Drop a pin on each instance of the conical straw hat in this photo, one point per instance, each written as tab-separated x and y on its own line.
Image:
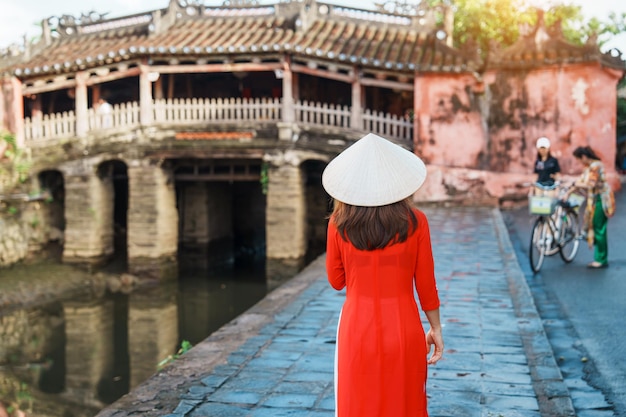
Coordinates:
373	172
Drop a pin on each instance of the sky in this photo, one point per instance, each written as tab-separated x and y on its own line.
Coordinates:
21	17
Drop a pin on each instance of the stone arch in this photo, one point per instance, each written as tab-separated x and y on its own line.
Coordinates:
52	186
221	206
318	207
113	174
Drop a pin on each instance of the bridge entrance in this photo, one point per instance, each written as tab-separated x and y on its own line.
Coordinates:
115	173
221	209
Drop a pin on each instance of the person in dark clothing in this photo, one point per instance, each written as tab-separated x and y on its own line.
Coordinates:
546	166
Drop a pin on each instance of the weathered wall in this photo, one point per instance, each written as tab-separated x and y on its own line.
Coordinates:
567	104
449	121
478	141
14	238
24	230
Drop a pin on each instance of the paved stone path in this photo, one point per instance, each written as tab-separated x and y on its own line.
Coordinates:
277	359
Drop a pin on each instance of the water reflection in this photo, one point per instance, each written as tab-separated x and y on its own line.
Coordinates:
90	351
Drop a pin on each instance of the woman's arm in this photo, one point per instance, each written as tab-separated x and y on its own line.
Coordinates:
334	265
434	336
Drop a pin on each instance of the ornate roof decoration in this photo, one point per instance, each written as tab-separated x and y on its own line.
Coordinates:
188	30
547	46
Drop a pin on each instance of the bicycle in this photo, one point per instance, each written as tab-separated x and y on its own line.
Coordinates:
557	229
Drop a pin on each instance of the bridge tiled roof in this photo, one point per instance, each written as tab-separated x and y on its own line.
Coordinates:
311	31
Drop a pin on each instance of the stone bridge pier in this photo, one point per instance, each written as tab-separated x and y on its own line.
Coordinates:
89	200
286	221
140	209
152	220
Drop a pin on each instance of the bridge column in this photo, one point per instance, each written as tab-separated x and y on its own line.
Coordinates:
89	199
152	221
145	96
287	128
82	125
288	104
356	116
285	218
12	108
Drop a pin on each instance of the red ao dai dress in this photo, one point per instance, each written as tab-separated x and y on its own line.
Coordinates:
381	353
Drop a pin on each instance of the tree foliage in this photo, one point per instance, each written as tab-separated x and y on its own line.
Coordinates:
14	164
485	23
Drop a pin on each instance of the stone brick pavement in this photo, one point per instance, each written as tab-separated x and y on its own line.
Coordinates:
277	359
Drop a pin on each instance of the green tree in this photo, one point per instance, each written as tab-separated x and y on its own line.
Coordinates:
485	22
14	164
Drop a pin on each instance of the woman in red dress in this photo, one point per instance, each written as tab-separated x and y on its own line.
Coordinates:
378	247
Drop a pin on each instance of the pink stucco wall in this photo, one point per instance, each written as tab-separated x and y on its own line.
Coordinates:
479	143
573	106
449	125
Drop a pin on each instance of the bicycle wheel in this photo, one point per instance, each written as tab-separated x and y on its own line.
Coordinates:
570	232
540	238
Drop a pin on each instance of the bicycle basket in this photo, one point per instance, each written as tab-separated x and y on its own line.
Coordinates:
541	205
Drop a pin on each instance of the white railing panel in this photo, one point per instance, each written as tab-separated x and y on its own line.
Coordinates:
316	114
183	112
216	110
123	115
50	126
387	125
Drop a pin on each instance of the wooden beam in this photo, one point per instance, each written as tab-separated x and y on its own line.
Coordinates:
393	85
112	76
211	68
92	80
217	177
303	69
46	88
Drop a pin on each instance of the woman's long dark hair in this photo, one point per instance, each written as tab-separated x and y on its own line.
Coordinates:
586	151
370	228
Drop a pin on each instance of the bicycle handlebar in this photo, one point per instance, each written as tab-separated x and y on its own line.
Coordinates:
556	185
547	187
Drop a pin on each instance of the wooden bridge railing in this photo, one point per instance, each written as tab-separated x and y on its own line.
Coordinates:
48	129
228	110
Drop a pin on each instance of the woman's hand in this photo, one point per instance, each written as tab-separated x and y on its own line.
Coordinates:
434	337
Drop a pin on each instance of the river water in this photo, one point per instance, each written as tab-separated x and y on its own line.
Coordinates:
77	356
